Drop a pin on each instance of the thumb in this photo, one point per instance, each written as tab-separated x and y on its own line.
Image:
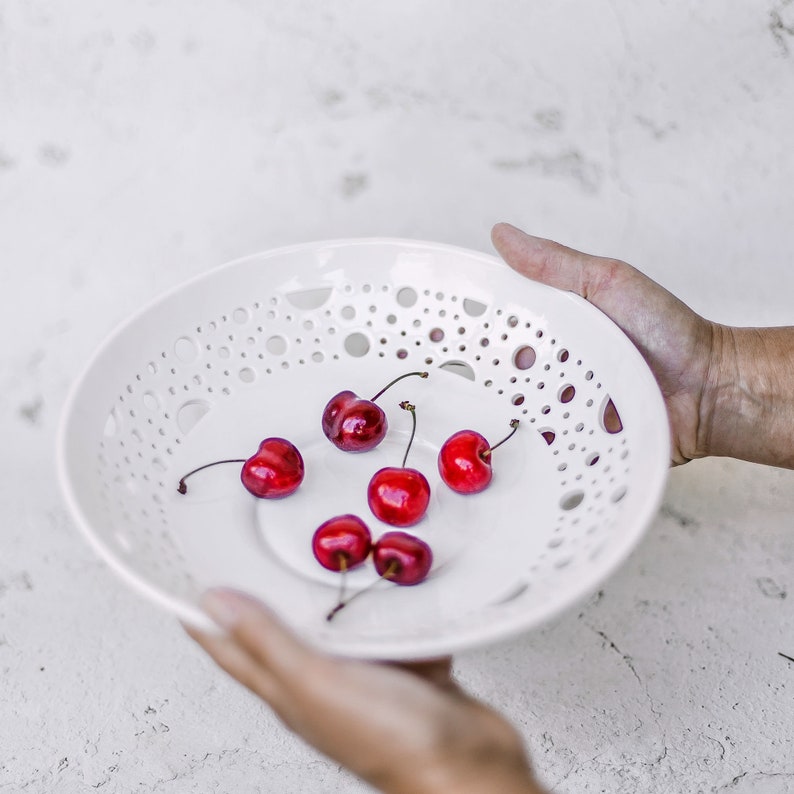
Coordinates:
549	262
255	629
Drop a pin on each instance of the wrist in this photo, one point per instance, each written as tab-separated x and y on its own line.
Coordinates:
747	408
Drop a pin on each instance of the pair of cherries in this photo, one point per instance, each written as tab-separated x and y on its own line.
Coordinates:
344	542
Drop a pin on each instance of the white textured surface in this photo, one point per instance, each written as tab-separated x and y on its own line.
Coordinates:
143	143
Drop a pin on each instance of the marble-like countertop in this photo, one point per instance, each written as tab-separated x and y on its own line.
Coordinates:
141	144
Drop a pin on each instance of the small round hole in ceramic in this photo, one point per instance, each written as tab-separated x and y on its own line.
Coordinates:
256	348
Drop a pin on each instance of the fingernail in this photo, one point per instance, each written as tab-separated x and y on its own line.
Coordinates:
224	606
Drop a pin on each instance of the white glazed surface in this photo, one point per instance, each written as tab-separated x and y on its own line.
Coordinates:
256	348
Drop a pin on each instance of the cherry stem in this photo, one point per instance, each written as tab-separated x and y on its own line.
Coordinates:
182	487
343	578
391	569
389	385
514	425
406	406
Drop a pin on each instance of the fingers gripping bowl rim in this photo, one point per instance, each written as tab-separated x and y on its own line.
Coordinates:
255	348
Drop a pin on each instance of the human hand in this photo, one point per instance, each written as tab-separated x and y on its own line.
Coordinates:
679	345
406	729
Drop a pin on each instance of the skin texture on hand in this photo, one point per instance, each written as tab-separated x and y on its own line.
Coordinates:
675	341
406	729
728	391
752	396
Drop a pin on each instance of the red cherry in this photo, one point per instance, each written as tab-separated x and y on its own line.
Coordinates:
275	470
461	463
339	544
353	424
342	542
402	558
399	496
464	460
356	425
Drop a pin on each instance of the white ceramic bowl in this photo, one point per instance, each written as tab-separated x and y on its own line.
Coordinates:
257	347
